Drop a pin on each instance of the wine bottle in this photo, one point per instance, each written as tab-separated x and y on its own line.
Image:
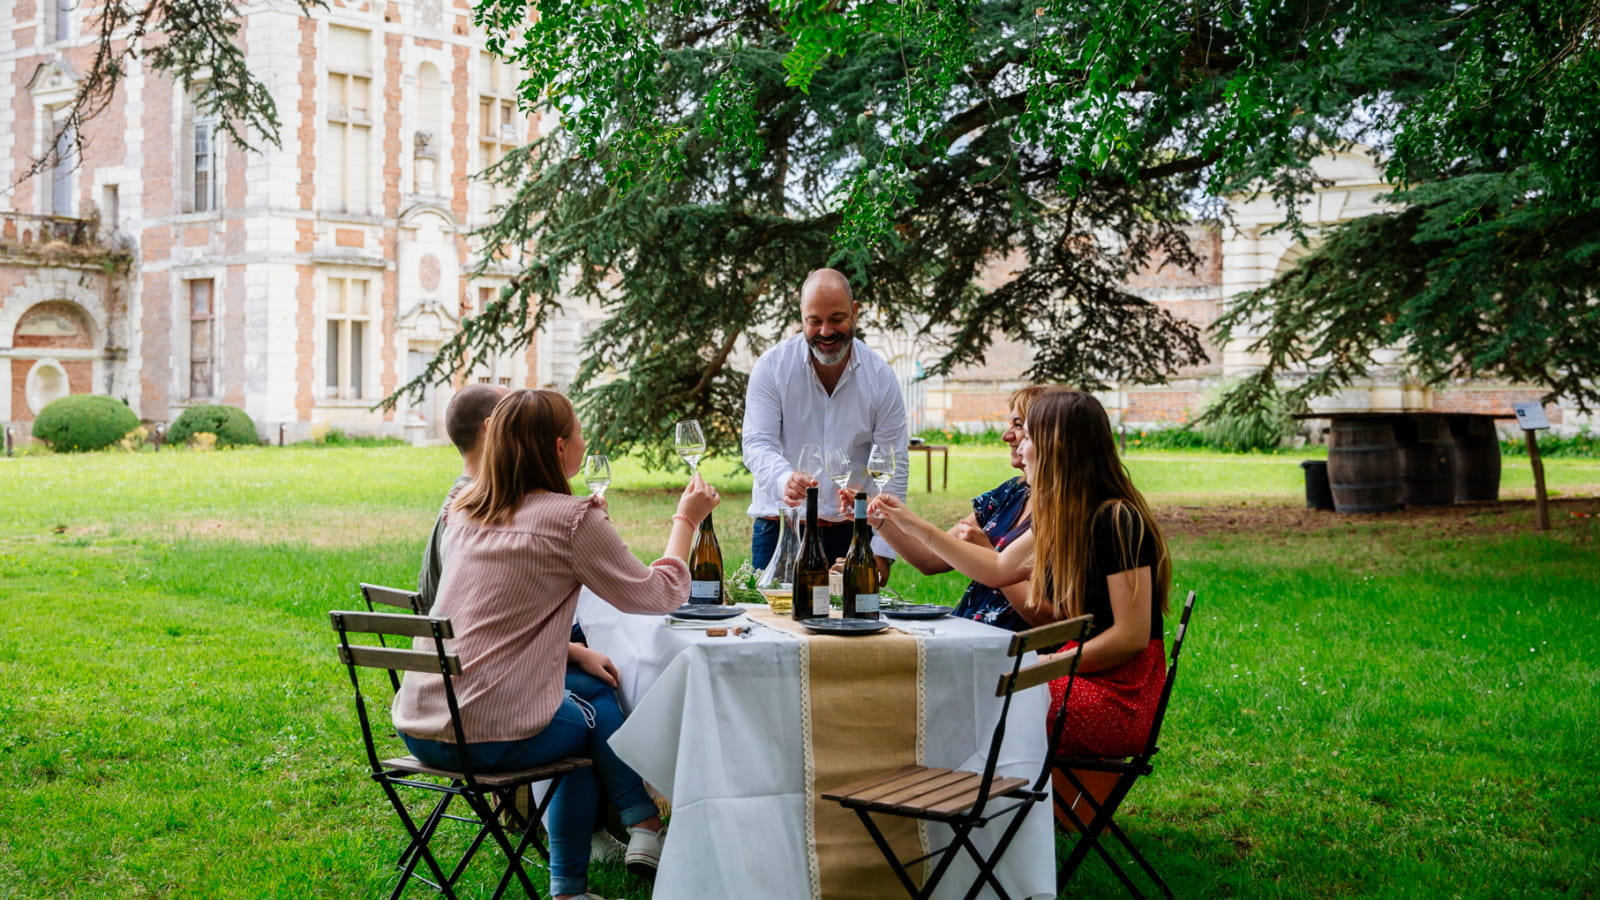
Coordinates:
811	571
861	568
705	565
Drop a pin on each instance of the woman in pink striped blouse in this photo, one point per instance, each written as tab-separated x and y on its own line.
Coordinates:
518	548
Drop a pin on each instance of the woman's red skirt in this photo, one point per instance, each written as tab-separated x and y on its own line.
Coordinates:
1110	712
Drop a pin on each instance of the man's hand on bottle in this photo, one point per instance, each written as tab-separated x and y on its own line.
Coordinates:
794	489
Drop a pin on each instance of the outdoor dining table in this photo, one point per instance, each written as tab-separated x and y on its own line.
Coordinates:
719	725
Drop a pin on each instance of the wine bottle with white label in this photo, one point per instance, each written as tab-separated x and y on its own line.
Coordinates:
705	565
811	570
861	568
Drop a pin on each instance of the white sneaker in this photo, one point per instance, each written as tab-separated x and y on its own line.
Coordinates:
603	848
644	851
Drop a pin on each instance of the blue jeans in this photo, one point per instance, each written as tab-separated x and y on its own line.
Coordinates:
764	541
570	819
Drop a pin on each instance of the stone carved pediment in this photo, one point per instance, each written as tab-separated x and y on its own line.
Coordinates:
414	216
54	82
428	320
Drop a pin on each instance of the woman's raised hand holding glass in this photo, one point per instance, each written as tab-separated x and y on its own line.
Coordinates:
597	474
698	500
691	443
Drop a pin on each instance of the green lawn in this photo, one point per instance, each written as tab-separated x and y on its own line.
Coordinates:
1389	706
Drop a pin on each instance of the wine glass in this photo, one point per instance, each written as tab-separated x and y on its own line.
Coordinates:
691	441
597	474
840	469
880	465
810	462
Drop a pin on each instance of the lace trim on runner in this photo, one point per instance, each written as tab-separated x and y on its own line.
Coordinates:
812	862
921	758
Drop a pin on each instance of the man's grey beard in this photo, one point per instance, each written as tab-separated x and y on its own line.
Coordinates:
832	359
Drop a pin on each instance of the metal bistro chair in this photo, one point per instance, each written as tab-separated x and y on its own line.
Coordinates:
1122	775
487	794
961	799
377	596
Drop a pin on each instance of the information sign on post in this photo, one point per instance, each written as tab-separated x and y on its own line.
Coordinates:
1531	418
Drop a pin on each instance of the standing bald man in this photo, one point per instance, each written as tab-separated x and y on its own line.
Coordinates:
824	387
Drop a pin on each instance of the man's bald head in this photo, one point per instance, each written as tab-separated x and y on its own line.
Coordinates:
831	280
468	409
828	315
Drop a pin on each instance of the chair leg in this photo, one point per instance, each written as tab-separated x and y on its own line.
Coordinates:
529	834
419	840
431	823
1090	832
536	816
491	824
1149	870
987	866
894	861
985	872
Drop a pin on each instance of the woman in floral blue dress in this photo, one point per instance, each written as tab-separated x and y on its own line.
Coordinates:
999	516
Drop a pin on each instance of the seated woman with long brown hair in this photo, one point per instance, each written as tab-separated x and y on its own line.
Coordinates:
999	516
1094	548
518	548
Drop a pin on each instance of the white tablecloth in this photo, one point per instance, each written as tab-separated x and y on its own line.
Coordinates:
714	725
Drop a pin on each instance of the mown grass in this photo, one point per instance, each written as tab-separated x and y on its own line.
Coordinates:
1390	707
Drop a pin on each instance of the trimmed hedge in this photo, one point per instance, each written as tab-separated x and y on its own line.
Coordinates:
81	422
232	426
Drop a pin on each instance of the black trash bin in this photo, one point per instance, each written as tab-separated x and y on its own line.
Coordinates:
1319	495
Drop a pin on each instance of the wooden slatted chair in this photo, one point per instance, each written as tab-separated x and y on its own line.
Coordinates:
960	799
487	794
1089	791
378	596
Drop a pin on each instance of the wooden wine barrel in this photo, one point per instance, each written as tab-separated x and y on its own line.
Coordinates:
1475	459
1363	465
1426	468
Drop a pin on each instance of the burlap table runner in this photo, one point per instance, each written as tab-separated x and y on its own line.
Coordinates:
861	699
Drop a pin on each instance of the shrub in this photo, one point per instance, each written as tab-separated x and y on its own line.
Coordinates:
84	422
334	436
956	437
1583	445
135	440
1264	426
230	424
1180	437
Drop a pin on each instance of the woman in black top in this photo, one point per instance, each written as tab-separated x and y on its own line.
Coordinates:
1095	548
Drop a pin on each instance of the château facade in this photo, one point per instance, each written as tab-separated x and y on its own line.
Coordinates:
303	283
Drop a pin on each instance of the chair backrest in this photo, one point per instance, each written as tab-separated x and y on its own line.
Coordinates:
436	661
1172	676
377	595
1020	678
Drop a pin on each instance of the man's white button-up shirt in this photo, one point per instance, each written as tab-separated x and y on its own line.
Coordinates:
786	407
